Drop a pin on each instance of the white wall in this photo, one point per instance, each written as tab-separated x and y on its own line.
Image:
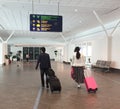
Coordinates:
99	50
99	47
115	56
50	51
65	53
68	52
71	51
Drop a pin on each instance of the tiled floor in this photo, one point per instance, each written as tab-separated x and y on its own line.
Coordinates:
20	86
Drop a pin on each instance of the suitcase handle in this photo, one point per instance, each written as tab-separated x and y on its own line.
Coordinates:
87	73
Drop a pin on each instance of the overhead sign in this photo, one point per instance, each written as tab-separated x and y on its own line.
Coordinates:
45	23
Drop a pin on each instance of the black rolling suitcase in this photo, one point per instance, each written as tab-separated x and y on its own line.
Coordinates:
55	84
50	72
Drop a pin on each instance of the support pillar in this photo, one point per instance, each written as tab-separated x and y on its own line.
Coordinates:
4	52
108	37
109	48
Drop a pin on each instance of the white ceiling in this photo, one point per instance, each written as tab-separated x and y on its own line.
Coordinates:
14	18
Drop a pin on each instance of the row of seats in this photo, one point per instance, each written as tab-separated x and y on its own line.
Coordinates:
102	64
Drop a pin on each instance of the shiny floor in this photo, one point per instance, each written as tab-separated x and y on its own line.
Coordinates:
20	88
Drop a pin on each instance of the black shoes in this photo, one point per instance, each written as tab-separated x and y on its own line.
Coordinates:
43	86
47	86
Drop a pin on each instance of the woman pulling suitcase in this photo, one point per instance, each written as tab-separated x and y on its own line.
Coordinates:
78	64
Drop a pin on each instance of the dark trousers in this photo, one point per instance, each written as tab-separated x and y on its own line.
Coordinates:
44	72
27	59
79	74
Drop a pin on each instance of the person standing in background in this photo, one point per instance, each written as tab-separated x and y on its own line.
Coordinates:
78	64
27	57
18	55
44	64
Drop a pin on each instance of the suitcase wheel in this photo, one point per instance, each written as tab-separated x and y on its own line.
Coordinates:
89	90
92	90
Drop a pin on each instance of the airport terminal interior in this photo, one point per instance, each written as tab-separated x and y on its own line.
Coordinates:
59	26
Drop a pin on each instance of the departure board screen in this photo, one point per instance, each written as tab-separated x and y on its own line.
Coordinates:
45	23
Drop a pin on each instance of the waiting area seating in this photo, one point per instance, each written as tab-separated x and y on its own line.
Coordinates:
102	64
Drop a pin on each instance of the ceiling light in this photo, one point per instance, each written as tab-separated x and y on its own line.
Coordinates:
80	21
76	10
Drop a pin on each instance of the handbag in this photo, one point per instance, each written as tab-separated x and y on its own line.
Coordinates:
73	73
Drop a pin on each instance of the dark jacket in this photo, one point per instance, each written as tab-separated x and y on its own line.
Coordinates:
43	61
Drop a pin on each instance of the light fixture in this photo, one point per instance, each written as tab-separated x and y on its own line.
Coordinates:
76	10
80	21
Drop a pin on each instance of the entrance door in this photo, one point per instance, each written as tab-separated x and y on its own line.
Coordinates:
25	51
31	53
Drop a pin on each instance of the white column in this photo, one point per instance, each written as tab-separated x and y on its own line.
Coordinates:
63	37
66	53
4	48
109	48
100	21
4	51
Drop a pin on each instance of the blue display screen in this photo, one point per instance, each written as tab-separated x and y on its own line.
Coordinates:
45	23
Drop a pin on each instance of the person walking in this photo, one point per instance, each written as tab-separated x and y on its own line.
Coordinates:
44	64
18	56
78	64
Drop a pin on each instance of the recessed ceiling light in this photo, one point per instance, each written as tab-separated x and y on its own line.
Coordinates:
80	21
76	10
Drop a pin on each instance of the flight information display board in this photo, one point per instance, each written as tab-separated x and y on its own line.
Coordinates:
45	23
